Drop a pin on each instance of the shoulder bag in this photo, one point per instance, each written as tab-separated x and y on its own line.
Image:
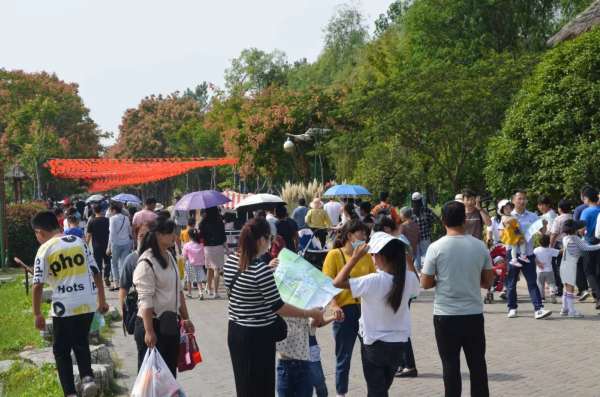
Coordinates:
168	320
356	299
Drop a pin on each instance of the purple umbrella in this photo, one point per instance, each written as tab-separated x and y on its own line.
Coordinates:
200	200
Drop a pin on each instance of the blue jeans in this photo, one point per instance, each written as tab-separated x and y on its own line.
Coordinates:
530	275
421	251
118	252
345	334
293	378
317	378
380	362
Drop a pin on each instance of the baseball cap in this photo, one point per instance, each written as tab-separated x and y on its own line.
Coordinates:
458	197
381	239
417	196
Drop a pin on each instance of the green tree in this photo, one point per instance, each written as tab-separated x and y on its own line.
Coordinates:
549	143
42	117
254	70
199	95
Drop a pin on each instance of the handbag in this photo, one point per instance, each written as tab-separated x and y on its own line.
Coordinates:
130	307
189	353
279	326
168	320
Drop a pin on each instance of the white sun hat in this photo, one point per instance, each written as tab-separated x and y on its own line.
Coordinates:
381	239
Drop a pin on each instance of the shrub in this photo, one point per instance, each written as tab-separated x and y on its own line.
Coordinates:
21	239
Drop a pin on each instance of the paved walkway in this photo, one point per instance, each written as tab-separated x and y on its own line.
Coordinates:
525	357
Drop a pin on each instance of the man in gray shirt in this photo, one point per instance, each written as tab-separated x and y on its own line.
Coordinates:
457	265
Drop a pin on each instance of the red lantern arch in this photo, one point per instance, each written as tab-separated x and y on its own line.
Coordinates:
107	174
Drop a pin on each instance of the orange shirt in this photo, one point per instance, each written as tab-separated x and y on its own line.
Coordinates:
389	208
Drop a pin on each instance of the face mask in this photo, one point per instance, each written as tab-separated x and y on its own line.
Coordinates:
356	243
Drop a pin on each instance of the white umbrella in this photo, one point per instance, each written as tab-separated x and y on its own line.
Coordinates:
260	202
95	197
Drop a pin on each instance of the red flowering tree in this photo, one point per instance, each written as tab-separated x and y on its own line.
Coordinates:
42	117
254	126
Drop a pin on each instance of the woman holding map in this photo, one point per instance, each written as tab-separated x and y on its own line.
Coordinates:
345	307
254	306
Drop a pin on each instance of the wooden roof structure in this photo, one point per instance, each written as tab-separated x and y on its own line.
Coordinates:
579	25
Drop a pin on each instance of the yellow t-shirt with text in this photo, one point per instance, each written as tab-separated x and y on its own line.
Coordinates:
333	265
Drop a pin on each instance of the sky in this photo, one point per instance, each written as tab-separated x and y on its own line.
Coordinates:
121	51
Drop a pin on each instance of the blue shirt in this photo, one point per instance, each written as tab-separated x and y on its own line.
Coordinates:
74	231
578	211
590	216
525	220
299	215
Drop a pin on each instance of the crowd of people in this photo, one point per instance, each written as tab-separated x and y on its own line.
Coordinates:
380	257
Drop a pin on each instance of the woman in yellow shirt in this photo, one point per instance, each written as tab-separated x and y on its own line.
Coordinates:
318	220
344	306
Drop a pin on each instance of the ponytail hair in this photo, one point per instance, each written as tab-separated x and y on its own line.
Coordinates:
351	226
161	225
349	208
194	235
394	253
248	242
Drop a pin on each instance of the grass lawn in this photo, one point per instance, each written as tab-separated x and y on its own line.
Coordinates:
18	331
16	317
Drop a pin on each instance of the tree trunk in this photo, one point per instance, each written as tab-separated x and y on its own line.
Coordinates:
38	179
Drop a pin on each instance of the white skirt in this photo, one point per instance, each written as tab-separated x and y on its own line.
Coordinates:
568	272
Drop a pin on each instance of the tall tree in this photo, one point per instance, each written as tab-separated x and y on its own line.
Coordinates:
254	70
42	117
549	142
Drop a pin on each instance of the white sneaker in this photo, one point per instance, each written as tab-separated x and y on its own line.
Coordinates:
575	314
512	313
553	297
564	312
503	295
584	296
542	313
516	263
524	259
543	300
90	389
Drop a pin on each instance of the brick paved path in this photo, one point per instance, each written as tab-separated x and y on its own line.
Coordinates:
525	357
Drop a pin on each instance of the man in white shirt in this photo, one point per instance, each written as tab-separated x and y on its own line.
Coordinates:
333	210
457	265
272	221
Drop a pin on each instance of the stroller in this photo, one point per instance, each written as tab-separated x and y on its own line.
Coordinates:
498	254
311	250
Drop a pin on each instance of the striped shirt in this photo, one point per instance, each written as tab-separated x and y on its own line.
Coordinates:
254	298
576	246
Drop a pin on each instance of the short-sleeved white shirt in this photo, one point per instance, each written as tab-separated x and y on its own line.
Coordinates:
544	256
457	263
378	320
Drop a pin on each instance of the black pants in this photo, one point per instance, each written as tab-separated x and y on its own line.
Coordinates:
71	333
100	256
407	360
556	270
454	333
321	234
591	263
252	351
168	346
581	276
380	362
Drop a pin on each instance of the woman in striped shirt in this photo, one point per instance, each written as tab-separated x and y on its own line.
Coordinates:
254	302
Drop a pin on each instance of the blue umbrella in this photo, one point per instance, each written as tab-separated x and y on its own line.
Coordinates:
126	198
200	200
346	190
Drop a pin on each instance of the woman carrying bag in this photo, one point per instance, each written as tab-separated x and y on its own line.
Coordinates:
160	295
254	306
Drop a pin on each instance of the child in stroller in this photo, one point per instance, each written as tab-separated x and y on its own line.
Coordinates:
498	254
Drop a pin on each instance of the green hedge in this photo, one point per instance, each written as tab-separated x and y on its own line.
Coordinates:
22	242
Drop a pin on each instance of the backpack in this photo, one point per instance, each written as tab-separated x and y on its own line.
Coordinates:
385	210
130	307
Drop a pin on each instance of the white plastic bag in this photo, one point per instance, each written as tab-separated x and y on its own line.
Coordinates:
155	378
